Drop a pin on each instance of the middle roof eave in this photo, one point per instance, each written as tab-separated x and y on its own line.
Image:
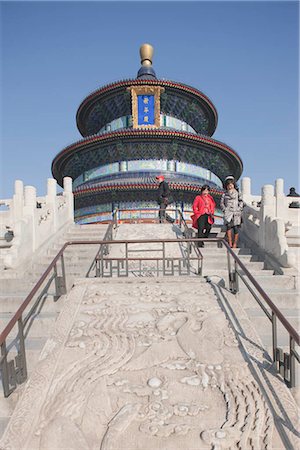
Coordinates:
146	144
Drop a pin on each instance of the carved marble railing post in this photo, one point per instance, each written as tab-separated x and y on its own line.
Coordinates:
267	212
51	201
246	190
51	190
280	198
68	194
30	198
18	202
29	212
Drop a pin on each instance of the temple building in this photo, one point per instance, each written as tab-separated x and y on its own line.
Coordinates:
134	130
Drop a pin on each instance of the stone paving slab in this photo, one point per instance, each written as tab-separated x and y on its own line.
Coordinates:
146	365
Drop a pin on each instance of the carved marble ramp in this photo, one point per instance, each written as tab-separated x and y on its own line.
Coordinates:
141	364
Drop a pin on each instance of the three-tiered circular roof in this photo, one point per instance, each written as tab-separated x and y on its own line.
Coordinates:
185	120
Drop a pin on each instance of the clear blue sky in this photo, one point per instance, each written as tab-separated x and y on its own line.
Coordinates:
242	55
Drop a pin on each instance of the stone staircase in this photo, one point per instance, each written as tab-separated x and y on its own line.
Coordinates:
16	285
282	289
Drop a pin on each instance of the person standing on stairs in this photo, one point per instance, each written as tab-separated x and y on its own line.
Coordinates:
204	209
232	206
164	199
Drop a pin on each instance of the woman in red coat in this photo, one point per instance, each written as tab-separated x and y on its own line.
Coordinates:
204	209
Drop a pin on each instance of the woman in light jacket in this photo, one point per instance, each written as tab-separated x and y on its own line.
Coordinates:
232	206
204	209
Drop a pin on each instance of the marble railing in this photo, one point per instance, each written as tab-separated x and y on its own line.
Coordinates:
268	218
33	220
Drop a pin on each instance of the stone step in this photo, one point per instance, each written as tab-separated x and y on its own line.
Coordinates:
39	325
82	235
11	303
70	264
214	249
70	274
263	277
262	323
10	274
73	248
223	272
281	298
221	263
69	257
282	341
4	250
14	286
289	313
294	231
271	281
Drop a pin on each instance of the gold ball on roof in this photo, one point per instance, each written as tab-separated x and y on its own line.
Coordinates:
146	52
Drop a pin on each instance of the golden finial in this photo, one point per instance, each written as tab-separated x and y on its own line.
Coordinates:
146	52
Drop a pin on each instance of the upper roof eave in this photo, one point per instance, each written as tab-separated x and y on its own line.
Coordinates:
117	86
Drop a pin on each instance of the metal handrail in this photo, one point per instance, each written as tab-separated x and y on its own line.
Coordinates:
19	312
265	296
289	360
273	307
104	248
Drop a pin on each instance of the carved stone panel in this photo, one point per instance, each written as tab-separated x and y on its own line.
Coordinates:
142	365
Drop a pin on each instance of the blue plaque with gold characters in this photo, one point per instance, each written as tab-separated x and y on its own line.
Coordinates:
146	110
145	106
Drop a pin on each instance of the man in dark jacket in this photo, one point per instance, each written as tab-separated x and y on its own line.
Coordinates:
164	199
293	193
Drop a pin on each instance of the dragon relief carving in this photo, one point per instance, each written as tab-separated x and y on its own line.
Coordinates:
142	371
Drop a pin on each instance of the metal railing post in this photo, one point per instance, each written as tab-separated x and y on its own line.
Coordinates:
97	268
274	336
56	296
236	279
229	269
126	256
232	275
101	262
63	285
7	379
286	368
21	364
200	264
188	262
164	258
60	281
292	382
